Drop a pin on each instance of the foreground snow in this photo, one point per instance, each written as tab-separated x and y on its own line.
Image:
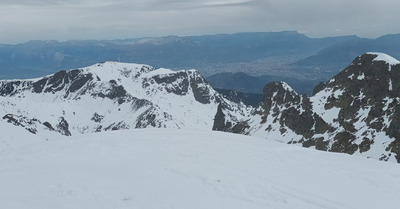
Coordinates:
166	168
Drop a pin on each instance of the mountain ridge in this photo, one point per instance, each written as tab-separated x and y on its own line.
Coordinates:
355	112
209	54
151	97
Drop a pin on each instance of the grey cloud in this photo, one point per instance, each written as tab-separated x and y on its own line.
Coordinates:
28	3
22	20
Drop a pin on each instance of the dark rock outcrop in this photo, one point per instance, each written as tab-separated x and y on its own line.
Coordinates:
114	92
291	111
63	127
33	125
71	80
177	83
19	120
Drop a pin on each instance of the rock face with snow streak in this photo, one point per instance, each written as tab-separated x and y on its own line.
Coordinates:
112	96
356	112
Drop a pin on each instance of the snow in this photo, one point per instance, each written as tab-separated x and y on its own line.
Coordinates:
12	136
384	57
320	99
390	85
287	87
338	93
170	168
351	77
160	71
361	77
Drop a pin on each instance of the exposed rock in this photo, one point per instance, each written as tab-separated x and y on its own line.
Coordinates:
177	83
201	92
114	92
10	88
97	118
394	147
319	88
220	123
34	125
63	127
18	120
49	126
68	81
116	126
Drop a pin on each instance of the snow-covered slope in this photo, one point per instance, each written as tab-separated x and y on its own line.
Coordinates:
356	112
112	96
172	168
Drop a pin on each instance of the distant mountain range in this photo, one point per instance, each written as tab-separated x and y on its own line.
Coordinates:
281	56
208	54
355	112
246	83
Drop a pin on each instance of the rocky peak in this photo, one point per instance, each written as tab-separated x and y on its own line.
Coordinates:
369	77
355	112
278	93
285	111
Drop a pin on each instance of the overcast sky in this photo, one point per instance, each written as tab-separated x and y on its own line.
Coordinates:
23	20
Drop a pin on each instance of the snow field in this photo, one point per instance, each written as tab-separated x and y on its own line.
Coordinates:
172	168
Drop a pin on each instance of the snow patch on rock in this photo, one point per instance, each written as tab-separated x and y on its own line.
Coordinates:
384	57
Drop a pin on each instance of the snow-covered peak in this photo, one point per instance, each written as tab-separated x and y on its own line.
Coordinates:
126	72
115	69
112	96
384	57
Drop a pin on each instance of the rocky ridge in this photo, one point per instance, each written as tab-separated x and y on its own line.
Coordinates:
355	112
